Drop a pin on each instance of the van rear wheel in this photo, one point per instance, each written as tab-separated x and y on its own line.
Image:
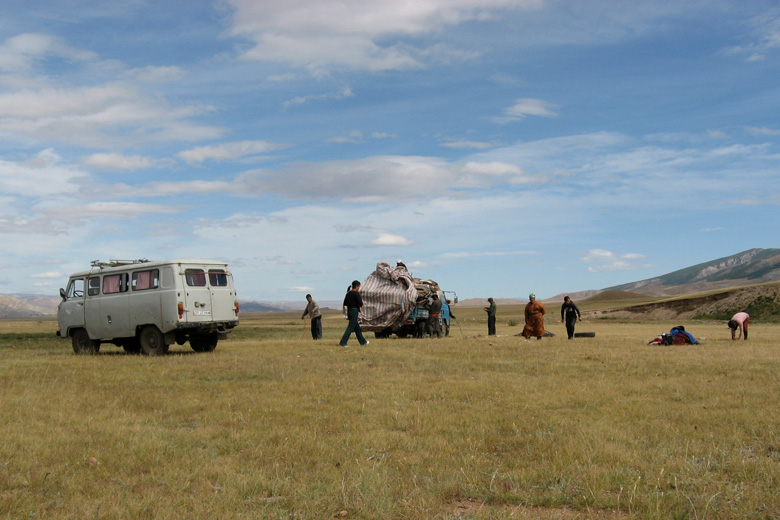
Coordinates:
131	345
152	341
204	342
82	344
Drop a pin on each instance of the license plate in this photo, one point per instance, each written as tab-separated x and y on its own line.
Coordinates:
202	313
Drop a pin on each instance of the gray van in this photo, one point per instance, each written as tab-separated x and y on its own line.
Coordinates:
145	306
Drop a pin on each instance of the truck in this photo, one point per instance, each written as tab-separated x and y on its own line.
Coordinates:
396	303
145	306
416	322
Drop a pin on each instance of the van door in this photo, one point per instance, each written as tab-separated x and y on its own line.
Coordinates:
209	294
197	296
70	312
223	294
114	315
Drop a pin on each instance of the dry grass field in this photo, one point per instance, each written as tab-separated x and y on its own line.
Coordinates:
273	425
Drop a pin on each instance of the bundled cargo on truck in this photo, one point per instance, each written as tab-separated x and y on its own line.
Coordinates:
394	302
389	295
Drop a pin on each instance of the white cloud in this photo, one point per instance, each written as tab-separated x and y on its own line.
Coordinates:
99	116
229	151
48	274
115	161
761	130
300	100
40	176
528	107
388	239
608	261
359	34
477	254
110	210
157	74
464	144
22	52
354	137
381	178
765	37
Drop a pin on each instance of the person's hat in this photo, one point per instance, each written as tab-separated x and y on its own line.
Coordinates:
532	295
490	299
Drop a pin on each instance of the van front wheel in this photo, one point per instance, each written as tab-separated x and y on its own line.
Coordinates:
152	341
82	344
204	342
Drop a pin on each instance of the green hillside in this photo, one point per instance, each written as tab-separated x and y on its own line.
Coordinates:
753	264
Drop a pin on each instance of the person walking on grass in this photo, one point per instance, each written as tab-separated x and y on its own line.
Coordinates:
534	318
313	310
353	302
491	316
739	322
570	313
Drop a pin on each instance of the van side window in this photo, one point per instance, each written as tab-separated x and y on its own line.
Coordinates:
114	283
195	277
218	278
76	289
94	286
143	280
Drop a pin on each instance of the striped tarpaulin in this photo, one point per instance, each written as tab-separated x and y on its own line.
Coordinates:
388	296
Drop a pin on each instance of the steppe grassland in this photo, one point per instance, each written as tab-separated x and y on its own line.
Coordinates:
274	425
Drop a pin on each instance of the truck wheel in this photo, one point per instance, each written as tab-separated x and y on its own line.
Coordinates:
421	326
152	341
204	342
131	345
82	344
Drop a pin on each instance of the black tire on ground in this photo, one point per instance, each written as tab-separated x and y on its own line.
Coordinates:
82	344
131	345
152	341
204	342
584	334
401	333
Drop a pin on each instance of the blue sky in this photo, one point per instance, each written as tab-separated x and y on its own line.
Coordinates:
500	147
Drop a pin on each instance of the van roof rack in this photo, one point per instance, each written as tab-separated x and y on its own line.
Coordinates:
117	263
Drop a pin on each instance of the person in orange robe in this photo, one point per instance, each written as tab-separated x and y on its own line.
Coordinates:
534	318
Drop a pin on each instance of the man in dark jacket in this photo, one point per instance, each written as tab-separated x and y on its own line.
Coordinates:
353	302
570	313
491	314
434	316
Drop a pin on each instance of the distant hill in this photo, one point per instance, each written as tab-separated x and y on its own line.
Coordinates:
482	302
615	297
753	266
258	307
761	301
27	305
